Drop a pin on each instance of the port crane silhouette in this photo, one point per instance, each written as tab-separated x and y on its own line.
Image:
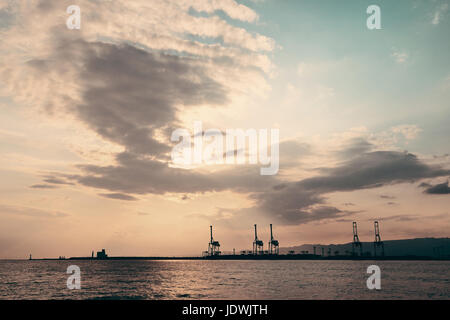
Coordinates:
356	243
258	245
213	246
377	242
273	244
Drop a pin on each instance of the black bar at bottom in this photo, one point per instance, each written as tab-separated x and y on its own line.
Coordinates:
212	309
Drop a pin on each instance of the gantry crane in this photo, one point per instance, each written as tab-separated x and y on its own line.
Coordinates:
356	242
213	246
274	246
377	242
258	245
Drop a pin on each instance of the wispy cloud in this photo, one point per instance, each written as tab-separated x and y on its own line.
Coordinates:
399	56
118	196
31	212
439	13
410	132
43	186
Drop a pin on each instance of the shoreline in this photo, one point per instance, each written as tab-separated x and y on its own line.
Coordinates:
259	258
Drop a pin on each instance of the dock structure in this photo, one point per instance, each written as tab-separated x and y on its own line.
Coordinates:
258	252
101	255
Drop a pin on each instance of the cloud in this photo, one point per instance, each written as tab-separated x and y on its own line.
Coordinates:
289	202
293	152
118	196
301	201
247	216
441	188
128	93
210	54
410	132
400	57
403	217
314	214
43	186
370	170
438	13
233	9
140	175
424	185
385	196
355	147
130	84
411	217
31	212
54	180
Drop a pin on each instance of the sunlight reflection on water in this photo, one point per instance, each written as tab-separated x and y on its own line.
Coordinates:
187	279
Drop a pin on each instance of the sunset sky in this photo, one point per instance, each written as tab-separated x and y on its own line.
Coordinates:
87	115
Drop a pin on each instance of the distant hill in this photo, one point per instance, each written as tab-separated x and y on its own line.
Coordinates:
432	247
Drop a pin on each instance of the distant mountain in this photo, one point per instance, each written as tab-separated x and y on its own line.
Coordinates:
432	247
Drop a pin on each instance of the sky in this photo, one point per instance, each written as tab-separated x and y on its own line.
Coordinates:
87	117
